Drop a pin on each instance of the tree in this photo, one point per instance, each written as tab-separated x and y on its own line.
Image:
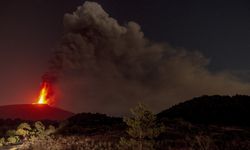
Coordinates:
142	129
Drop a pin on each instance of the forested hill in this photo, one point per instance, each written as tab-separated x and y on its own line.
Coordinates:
224	110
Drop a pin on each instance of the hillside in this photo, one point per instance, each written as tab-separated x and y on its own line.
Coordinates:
92	124
33	112
223	110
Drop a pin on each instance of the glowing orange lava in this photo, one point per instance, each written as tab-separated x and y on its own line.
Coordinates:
44	94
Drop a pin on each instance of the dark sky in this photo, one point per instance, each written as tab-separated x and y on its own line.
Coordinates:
31	28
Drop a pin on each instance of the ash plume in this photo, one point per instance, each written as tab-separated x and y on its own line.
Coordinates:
108	67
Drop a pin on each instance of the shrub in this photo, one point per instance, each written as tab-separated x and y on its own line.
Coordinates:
24	126
22	132
51	129
39	127
11	133
2	142
13	139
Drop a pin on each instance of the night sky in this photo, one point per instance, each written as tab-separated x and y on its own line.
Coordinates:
31	29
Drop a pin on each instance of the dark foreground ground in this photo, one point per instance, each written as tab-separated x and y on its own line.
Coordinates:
179	134
209	123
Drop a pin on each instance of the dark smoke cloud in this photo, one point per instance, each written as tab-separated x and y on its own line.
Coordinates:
108	67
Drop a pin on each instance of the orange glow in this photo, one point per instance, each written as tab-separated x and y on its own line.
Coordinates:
44	97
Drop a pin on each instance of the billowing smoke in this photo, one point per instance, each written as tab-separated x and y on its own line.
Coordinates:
108	67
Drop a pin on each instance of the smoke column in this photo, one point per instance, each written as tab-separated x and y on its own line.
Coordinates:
107	67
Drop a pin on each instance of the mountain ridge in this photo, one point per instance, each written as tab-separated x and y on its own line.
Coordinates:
216	109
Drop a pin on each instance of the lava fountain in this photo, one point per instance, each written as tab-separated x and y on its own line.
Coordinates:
45	94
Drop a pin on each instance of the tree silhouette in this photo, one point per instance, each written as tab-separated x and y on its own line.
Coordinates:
142	129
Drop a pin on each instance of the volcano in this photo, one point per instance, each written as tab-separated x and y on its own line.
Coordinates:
33	112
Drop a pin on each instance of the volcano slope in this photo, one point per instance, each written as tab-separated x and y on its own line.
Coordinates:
33	112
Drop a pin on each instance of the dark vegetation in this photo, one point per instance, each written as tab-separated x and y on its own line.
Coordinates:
203	123
8	124
219	110
92	124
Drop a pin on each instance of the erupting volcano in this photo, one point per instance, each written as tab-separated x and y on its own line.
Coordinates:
46	94
40	110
